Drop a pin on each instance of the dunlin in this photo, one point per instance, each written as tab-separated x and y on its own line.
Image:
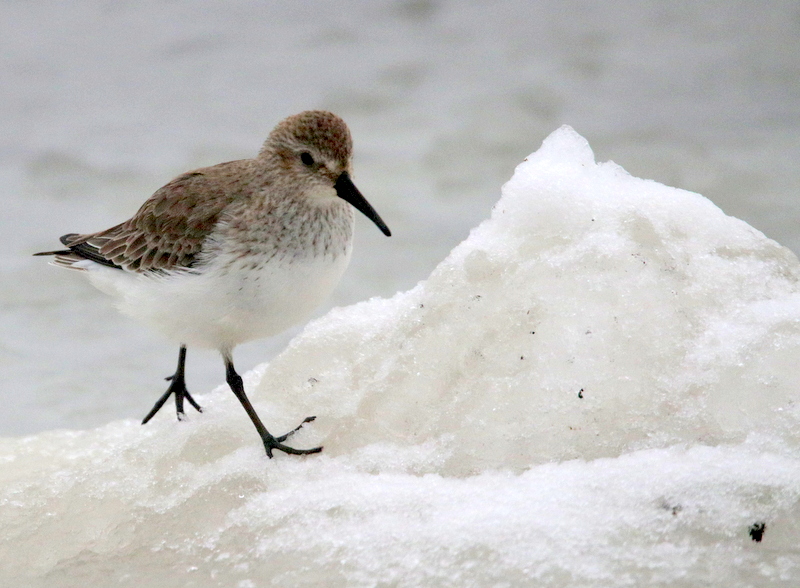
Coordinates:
236	251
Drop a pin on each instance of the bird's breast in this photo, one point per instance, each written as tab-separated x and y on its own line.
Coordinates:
284	230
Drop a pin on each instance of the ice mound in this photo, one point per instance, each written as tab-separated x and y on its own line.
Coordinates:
593	314
595	388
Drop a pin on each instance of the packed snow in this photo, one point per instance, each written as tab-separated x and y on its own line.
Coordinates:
597	387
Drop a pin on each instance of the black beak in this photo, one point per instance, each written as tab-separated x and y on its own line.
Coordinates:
347	191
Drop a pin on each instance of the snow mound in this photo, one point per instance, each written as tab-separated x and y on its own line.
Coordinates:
593	314
595	388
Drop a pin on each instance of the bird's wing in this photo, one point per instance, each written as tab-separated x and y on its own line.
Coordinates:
169	230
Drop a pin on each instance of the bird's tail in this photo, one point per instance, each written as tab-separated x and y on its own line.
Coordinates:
71	258
65	258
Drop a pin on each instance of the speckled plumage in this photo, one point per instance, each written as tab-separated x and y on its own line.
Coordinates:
254	196
237	251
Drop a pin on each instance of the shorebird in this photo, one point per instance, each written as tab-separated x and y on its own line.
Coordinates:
234	252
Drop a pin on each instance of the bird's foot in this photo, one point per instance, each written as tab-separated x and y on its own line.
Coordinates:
177	387
271	442
283	438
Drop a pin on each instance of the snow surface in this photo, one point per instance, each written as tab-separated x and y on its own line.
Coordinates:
596	388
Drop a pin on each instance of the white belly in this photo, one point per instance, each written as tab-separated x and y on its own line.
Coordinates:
221	308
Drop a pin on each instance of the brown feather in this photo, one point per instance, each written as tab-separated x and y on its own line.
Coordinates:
169	230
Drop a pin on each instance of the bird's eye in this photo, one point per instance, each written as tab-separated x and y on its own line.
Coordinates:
306	158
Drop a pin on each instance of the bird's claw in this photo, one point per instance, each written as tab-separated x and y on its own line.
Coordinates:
271	442
178	388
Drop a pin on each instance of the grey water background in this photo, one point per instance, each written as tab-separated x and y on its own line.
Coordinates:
103	102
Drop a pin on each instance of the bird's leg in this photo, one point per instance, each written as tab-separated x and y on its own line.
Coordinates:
237	386
177	386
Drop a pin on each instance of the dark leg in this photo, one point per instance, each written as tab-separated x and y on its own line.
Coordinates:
270	442
178	387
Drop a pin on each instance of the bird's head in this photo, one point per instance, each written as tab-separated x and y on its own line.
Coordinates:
315	149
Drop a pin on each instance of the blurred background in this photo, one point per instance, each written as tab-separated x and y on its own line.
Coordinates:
104	101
